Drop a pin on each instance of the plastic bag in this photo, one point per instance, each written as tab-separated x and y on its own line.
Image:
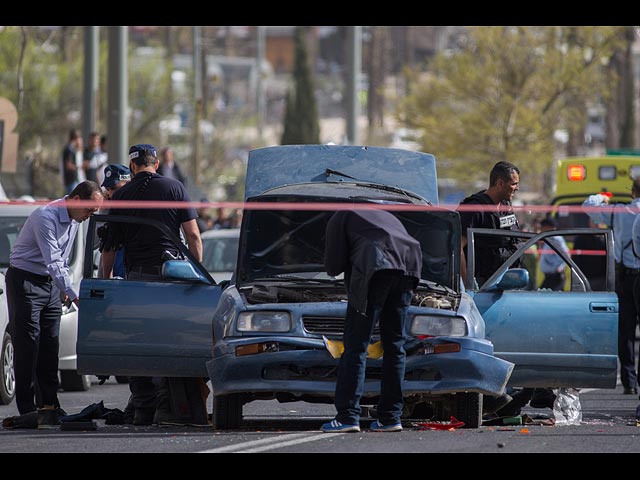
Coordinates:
566	407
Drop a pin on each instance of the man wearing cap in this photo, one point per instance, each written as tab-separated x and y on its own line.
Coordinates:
145	246
37	282
115	176
620	218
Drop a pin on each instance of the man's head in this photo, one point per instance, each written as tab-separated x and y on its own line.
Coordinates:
115	176
504	181
143	157
84	191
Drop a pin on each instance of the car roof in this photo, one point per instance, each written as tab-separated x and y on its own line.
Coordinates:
18	209
221	233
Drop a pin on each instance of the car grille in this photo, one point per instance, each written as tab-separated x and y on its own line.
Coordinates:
330	326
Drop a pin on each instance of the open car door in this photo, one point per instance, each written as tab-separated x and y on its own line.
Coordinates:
146	328
555	338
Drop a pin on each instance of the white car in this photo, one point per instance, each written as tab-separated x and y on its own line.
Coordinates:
220	252
12	217
7	378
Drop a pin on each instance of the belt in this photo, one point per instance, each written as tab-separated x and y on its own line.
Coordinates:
34	276
146	270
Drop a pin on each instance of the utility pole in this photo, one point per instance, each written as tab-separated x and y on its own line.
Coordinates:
354	67
197	96
260	93
90	89
117	87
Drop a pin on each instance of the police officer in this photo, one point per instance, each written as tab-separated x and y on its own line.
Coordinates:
144	248
620	218
490	253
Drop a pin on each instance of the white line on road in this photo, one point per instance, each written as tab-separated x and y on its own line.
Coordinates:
270	443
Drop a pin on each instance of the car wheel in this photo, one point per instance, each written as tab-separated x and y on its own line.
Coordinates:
227	412
120	379
8	379
70	381
467	407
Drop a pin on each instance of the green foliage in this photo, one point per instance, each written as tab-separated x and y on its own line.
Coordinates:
504	93
301	125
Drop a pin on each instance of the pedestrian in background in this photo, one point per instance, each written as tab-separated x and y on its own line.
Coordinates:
168	167
620	218
382	265
38	282
72	162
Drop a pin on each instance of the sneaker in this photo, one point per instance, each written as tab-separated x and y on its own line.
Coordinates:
334	426
49	417
376	426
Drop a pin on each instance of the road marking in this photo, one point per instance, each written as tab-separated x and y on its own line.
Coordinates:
270	443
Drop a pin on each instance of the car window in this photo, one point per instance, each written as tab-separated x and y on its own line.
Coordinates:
219	253
566	262
9	229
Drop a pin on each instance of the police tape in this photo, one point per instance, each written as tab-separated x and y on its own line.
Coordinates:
323	206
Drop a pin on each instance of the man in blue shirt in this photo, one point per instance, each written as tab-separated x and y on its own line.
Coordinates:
37	282
620	218
551	264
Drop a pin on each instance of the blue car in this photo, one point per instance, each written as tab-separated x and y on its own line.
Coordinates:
266	333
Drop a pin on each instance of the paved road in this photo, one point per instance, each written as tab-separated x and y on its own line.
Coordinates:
293	428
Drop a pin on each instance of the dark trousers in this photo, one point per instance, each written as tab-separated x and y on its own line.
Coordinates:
626	285
388	298
553	281
35	308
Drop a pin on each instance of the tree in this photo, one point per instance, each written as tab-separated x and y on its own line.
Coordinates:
301	124
504	93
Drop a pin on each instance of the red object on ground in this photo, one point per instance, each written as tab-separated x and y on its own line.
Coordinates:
452	424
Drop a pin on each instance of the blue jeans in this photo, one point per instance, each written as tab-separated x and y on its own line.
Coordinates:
388	298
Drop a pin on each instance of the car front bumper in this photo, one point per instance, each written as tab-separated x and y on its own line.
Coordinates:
302	366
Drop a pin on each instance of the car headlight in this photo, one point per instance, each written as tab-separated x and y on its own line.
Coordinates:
438	326
264	322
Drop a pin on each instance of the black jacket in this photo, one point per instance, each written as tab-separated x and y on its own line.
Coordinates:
491	252
362	242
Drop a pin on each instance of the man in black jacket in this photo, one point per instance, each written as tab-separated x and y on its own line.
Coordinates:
382	265
494	211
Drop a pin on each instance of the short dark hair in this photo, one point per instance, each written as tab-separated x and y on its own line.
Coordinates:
85	190
548	222
502	171
635	187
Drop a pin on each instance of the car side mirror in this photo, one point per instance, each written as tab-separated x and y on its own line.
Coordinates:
513	279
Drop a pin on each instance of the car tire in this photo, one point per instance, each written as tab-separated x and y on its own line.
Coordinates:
71	381
7	374
122	380
227	412
467	407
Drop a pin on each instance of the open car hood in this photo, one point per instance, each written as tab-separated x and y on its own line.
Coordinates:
293	164
291	242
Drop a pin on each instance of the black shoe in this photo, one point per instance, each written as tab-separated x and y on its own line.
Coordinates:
542	398
143	416
493	404
49	417
630	391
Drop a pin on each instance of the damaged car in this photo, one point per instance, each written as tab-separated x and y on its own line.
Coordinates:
271	331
